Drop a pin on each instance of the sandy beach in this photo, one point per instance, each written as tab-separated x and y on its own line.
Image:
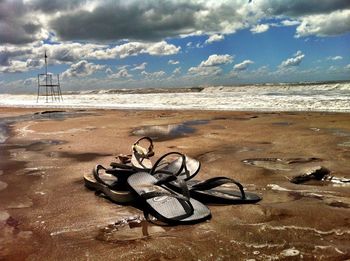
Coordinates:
46	213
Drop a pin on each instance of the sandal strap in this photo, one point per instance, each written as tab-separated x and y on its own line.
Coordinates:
96	174
120	165
124	159
164	179
183	163
141	151
216	182
185	203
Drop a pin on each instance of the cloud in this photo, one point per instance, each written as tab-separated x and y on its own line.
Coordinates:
28	21
121	74
205	71
215	59
52	6
14	67
243	65
151	20
215	38
14	60
335	58
335	23
153	75
294	61
111	20
260	28
173	62
82	68
347	67
72	52
141	67
109	71
177	70
9	53
210	67
17	24
136	48
290	22
297	8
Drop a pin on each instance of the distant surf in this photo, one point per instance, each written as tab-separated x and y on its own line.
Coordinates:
331	96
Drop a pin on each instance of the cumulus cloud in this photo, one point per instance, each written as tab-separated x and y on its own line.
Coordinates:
296	8
243	65
71	52
141	67
347	67
260	28
290	22
335	23
110	20
52	6
136	48
215	38
210	67
14	60
10	53
215	59
177	70
205	71
82	68
173	62
17	24
293	61
121	74
335	58
27	21
153	75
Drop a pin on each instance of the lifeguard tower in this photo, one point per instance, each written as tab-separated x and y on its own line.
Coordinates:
51	87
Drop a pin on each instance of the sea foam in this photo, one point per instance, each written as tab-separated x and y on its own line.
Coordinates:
333	97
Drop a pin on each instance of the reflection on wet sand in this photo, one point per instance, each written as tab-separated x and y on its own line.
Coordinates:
170	131
45	208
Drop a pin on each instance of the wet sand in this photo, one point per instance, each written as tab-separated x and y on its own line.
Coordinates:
46	213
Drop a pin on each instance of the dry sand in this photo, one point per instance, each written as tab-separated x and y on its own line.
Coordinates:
46	213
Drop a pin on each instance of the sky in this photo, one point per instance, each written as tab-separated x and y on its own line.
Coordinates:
105	44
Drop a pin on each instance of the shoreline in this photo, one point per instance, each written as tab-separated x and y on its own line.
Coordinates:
326	97
46	208
252	110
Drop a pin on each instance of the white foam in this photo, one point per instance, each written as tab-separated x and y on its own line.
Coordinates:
290	252
337	232
280	97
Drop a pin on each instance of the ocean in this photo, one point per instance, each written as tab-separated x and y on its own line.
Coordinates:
332	97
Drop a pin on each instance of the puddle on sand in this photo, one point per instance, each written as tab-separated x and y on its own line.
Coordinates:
285	164
168	132
44	115
129	229
58	115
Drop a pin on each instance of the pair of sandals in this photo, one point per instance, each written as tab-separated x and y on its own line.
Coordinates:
165	189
